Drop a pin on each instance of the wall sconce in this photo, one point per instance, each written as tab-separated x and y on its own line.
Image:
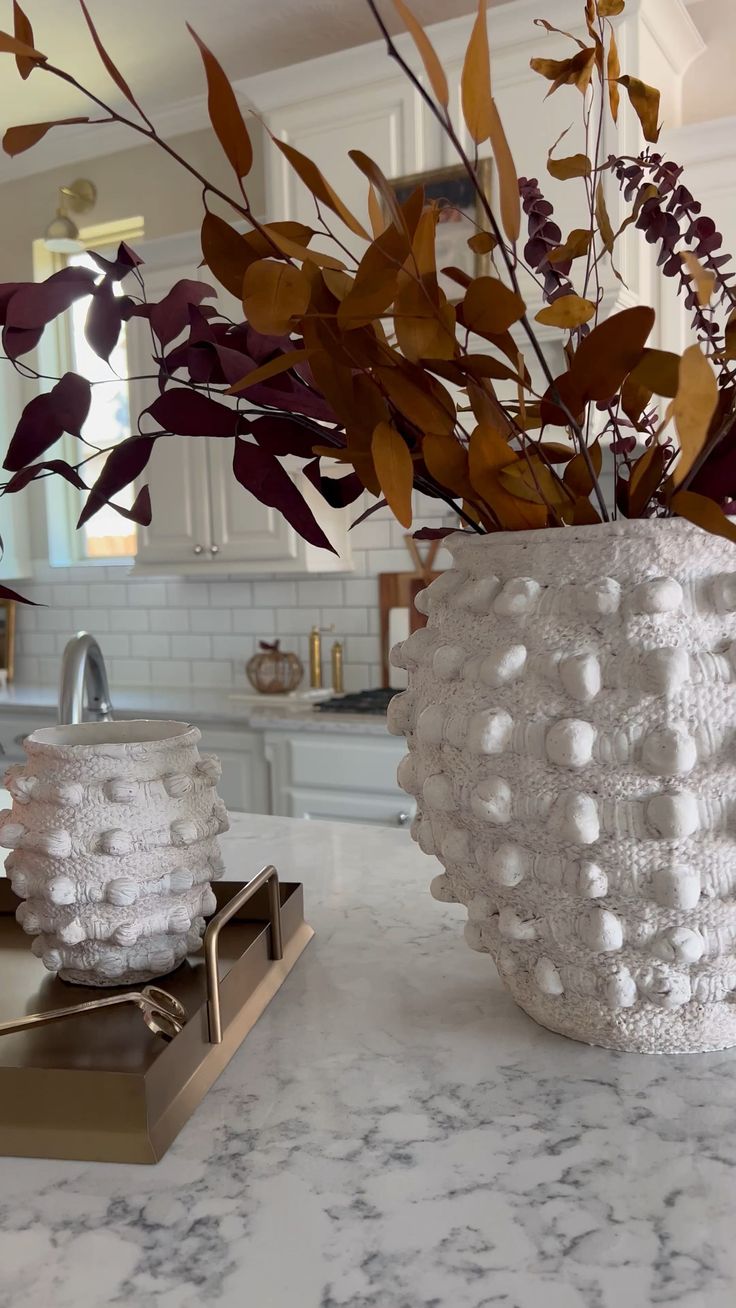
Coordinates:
62	234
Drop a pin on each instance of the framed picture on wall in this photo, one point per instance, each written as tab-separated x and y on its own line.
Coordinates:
461	216
7	641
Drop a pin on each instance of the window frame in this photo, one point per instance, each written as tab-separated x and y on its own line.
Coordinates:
55	356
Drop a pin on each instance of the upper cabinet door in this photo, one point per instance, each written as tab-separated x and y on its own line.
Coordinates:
242	529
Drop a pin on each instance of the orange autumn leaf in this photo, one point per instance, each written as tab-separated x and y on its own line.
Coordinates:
24	137
320	188
224	112
576	71
575	247
508	181
475	81
432	65
394	469
23	32
566	311
282	363
645	100
693	407
274	294
491	306
704	513
703	279
605	358
613	72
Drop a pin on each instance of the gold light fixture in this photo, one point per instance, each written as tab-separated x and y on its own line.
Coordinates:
62	234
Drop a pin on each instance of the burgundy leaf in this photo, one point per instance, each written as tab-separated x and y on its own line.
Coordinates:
31	473
7	291
36	303
17	341
282	436
433	533
262	474
368	513
338	492
171	315
7	594
184	412
119	267
124	463
45	417
104	319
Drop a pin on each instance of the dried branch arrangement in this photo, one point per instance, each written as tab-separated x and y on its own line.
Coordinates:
355	353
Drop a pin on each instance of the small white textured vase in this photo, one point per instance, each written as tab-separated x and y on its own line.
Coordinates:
114	832
570	716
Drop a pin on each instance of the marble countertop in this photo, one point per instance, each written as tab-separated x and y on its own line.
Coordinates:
215	707
394	1133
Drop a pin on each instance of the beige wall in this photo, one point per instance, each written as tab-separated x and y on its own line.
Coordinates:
142	181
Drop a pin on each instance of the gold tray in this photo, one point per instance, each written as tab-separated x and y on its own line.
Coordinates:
101	1087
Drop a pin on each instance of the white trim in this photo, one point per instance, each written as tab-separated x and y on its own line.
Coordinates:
699	143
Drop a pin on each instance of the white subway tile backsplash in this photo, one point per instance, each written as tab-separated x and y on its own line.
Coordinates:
297	622
193	645
146	594
107	594
94	620
130	620
318	593
175	620
70	595
363	649
211	672
187	594
171	674
153	645
270	594
346	621
128	672
179	632
211	620
257	622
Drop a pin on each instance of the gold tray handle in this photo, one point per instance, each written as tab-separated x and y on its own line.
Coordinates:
268	876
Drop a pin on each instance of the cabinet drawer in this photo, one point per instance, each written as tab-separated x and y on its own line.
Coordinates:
345	762
344	806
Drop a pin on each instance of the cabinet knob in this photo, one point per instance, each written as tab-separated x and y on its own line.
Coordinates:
198	549
214	549
402	819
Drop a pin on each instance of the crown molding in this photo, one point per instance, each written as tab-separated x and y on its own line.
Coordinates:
510	27
70	145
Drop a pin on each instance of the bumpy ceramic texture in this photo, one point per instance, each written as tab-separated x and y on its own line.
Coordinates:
114	848
570	717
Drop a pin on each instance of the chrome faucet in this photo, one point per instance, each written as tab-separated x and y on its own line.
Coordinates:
83	670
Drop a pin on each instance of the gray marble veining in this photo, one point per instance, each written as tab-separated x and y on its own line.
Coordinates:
394	1133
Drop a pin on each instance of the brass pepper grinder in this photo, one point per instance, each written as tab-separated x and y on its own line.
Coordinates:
338	684
315	656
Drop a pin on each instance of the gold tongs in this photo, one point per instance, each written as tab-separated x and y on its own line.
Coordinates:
162	1013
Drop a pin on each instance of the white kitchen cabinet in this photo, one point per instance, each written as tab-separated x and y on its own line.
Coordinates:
244	785
204	523
344	777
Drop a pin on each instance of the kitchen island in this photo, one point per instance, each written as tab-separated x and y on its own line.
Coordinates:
394	1133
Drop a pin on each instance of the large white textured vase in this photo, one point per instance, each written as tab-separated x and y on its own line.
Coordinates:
114	832
571	720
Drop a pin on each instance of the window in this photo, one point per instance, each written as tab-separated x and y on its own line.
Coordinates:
108	535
